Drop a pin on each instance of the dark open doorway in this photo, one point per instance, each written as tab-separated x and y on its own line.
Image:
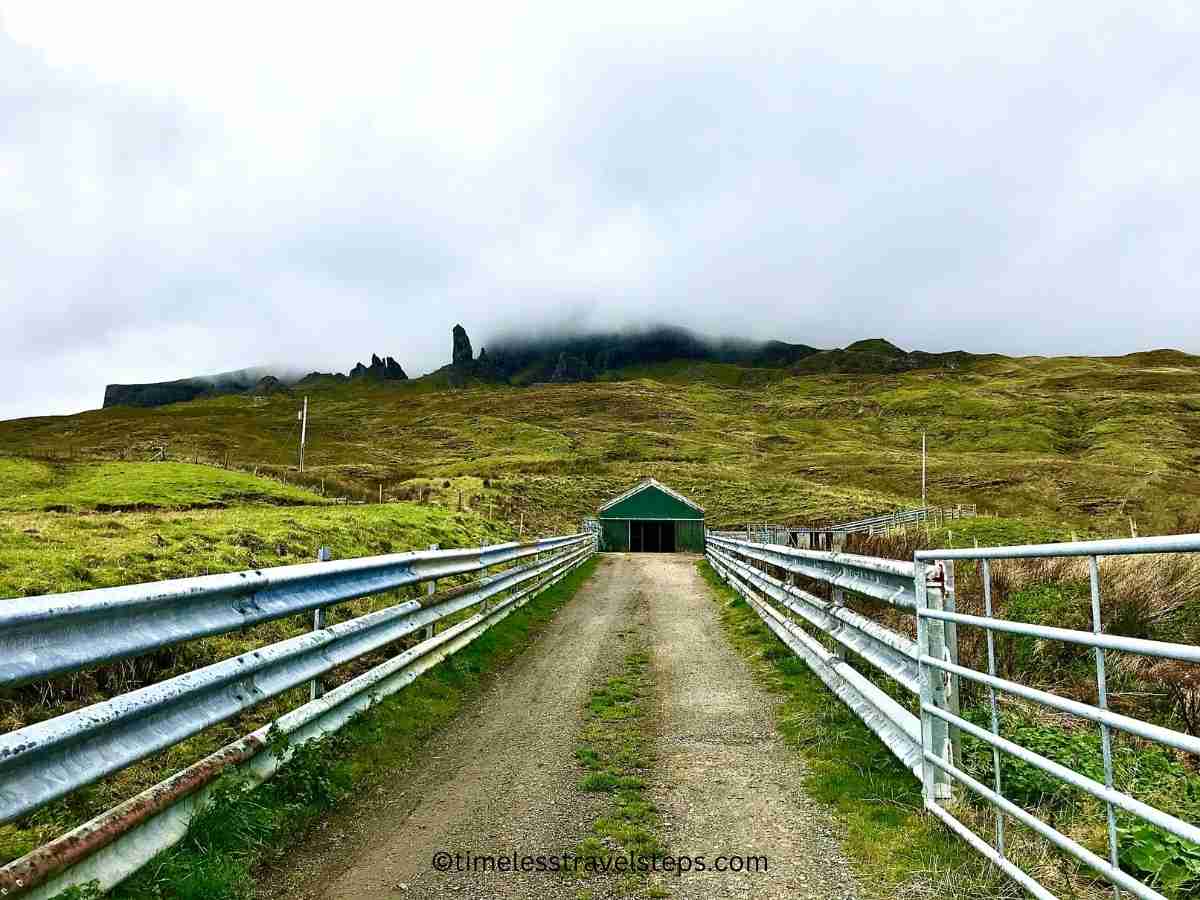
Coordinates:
652	537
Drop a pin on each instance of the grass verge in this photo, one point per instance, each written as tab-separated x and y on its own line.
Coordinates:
242	829
615	751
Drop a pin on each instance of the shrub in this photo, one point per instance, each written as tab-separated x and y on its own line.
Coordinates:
1160	859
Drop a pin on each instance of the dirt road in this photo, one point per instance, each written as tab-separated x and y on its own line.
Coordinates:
725	781
505	779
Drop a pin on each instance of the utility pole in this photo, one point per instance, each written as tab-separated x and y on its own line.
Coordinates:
923	503
303	417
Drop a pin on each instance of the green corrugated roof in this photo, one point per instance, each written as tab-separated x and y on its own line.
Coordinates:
651	499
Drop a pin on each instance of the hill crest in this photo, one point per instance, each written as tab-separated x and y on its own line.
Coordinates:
521	360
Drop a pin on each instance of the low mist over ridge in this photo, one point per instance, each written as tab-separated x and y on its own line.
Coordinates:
557	356
563	357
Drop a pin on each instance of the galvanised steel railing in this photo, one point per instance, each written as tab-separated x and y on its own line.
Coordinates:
46	636
902	517
928	743
798	536
742	564
935	717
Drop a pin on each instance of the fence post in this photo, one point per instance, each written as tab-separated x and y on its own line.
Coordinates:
316	688
953	683
935	739
430	590
837	544
483	607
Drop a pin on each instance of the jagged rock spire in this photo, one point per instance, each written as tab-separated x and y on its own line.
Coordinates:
386	369
463	354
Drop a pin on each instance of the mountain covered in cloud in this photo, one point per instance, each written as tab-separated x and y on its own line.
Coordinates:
583	357
558	357
256	380
589	357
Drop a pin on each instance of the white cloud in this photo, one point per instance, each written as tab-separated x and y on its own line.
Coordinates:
190	190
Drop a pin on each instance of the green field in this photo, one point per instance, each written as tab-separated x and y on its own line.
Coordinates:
1074	443
34	485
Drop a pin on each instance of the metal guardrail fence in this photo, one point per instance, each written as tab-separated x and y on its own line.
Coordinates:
927	742
902	517
46	636
740	563
802	536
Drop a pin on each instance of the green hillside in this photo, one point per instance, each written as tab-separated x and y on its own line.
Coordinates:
125	486
1081	443
79	525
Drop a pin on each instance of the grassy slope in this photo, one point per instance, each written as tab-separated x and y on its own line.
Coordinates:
1082	443
50	551
31	485
77	526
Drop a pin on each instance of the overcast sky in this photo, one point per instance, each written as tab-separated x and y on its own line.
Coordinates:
192	188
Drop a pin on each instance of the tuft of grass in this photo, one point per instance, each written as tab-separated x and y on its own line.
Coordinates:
243	828
615	750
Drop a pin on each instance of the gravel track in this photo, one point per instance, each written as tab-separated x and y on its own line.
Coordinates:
726	783
503	776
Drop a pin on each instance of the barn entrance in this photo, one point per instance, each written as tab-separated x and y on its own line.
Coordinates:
651	537
651	518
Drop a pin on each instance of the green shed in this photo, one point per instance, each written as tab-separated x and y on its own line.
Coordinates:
651	518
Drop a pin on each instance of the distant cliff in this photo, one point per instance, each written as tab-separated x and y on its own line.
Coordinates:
259	380
562	358
161	393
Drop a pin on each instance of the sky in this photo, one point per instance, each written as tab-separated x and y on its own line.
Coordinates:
194	188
